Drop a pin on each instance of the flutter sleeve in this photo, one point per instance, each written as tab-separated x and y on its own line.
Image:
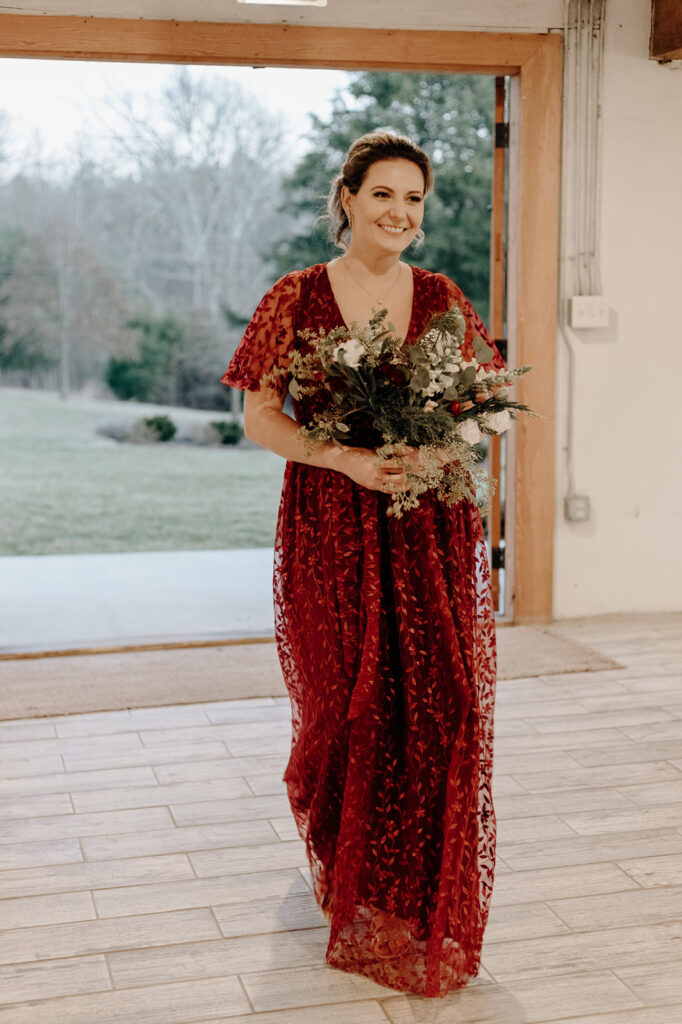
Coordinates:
268	341
475	326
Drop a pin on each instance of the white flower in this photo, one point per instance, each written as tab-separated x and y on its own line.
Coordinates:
430	405
496	421
353	351
469	431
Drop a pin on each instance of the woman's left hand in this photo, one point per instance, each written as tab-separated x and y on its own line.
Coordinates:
411	458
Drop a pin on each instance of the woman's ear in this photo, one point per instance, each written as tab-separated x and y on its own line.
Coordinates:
346	199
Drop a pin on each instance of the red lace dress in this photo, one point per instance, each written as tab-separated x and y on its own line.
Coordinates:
386	636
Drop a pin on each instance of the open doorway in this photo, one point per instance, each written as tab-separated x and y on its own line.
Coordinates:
531	61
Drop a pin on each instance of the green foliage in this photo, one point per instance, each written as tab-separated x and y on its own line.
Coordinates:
450	116
178	363
18	351
163	425
229	430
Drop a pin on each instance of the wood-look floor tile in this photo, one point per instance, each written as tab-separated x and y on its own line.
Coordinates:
668	730
559	883
167	753
76	782
504	785
21	982
519	830
360	1012
558	801
217	958
20	767
603	720
657	684
629	700
306	986
149	796
288	913
595	756
203	812
519	921
553	741
266	785
223	769
228	715
653	871
652	795
174	867
27	911
52	942
28	855
609	910
590	849
517	1002
35	806
27	730
67	745
533	761
198	892
174	1003
648	1015
242	860
655	984
63	826
636	818
132	721
583	951
620	775
285	828
179	840
250	747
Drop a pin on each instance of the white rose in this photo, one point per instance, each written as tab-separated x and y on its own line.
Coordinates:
353	351
497	421
430	405
469	431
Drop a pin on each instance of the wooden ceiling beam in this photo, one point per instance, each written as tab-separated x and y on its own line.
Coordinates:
666	30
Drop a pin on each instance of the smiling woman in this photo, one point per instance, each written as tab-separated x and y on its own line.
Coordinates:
385	627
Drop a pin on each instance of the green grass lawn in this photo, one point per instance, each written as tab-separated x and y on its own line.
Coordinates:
64	489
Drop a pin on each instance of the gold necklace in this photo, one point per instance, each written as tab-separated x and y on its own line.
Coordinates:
371	294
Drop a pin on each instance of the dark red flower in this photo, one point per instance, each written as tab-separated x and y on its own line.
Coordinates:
393	373
455	408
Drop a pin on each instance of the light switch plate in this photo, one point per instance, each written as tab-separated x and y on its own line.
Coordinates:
589	311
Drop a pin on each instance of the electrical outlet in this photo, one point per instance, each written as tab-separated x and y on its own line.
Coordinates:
589	311
577	508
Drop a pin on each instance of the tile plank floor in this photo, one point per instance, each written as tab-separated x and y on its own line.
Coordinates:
150	871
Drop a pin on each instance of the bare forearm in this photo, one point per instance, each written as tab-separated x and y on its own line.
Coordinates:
276	431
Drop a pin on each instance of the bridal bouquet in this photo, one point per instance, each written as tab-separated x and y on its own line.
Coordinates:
366	386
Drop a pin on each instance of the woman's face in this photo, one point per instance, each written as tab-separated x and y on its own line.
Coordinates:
388	208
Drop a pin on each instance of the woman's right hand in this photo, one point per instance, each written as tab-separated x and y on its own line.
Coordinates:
361	465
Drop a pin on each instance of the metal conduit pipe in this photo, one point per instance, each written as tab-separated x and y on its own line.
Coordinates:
580	233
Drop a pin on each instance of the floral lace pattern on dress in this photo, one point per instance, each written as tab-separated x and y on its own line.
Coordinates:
385	631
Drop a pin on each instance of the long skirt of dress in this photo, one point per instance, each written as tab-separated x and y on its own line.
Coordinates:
386	636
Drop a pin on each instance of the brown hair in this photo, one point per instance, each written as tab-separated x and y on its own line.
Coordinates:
364	152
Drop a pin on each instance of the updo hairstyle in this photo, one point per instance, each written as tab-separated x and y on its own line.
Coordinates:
364	152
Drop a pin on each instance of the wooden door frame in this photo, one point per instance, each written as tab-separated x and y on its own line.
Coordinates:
535	63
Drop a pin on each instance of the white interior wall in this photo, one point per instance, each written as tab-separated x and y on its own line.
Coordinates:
516	15
628	556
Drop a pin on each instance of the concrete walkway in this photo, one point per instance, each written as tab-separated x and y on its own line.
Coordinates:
60	602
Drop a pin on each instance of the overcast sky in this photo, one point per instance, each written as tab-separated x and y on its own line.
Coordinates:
58	99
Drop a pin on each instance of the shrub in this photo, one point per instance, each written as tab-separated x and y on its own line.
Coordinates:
163	425
229	431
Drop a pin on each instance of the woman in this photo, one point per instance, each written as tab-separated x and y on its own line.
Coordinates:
385	627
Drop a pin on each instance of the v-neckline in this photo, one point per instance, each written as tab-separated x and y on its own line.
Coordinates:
338	308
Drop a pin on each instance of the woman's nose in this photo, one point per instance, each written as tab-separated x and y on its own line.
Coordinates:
397	210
